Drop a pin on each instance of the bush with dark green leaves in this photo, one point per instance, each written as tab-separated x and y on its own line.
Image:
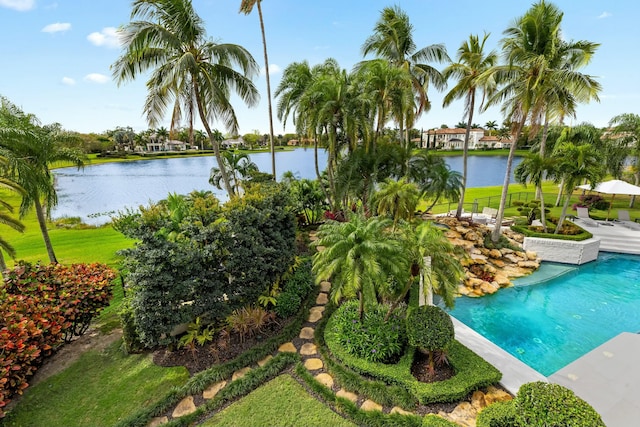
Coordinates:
370	338
499	414
295	289
429	328
287	304
195	258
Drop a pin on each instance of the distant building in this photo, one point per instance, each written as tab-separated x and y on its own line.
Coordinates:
495	142
170	145
452	138
234	143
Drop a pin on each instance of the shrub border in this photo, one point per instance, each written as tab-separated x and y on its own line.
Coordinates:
472	373
576	237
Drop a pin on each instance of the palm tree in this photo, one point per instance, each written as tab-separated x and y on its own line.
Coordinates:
491	125
30	149
239	167
577	161
359	256
397	199
626	128
472	63
246	6
535	76
392	40
168	38
435	260
533	169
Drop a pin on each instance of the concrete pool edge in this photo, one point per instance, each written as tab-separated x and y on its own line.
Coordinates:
514	372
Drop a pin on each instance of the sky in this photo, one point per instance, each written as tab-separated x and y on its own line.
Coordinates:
56	54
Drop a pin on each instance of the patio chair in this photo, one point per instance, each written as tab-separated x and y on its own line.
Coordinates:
583	215
625	219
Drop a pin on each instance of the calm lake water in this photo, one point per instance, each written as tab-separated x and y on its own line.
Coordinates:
98	192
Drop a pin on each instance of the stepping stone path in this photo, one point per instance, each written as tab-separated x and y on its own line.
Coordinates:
464	414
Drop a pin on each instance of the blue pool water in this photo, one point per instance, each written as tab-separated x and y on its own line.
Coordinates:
559	313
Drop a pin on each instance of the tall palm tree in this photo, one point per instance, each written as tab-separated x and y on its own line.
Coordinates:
360	255
535	76
30	149
472	62
246	6
392	40
168	38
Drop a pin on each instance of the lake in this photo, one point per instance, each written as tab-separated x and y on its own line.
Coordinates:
97	192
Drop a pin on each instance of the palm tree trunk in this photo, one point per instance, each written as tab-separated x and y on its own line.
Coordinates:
266	70
563	214
3	263
315	159
559	193
465	151
543	148
214	144
497	230
543	215
42	221
398	300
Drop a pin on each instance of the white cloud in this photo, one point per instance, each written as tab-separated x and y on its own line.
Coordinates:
273	69
19	5
97	78
58	27
68	81
604	15
108	37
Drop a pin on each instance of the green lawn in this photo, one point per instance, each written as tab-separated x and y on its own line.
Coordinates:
99	389
280	402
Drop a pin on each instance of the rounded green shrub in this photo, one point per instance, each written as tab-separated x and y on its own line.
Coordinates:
370	338
540	404
301	281
429	328
499	414
287	304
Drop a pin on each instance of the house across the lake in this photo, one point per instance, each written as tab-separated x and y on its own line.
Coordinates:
453	139
169	145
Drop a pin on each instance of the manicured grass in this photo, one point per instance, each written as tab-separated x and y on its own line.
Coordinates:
280	402
99	389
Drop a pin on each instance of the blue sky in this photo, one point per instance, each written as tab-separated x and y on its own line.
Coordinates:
56	54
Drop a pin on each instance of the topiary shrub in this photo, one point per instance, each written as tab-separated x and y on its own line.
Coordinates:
499	414
371	338
430	329
540	404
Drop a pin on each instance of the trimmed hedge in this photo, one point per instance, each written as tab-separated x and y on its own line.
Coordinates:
529	233
540	404
472	372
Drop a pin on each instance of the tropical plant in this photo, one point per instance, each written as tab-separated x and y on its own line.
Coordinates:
238	166
534	168
30	149
492	125
246	7
577	161
434	177
397	199
392	40
472	62
359	256
540	78
168	38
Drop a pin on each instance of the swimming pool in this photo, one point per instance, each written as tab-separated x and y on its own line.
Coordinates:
560	312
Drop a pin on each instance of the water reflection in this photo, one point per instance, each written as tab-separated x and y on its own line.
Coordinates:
99	191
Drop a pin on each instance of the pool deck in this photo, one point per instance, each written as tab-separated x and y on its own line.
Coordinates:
614	237
608	378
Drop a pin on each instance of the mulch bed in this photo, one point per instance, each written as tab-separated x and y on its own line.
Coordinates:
420	369
221	350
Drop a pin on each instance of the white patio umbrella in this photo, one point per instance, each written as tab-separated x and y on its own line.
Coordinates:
613	187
